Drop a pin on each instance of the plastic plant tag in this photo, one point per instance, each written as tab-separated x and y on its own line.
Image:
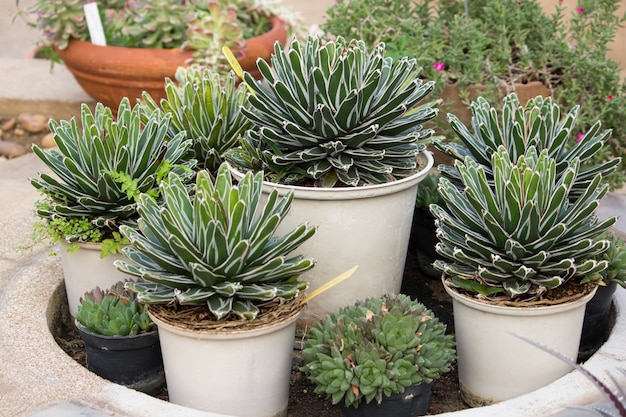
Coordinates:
94	24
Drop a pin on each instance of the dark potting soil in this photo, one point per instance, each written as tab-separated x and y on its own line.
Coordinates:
303	402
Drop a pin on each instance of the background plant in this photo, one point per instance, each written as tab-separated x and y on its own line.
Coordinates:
215	247
207	109
615	256
335	113
114	312
375	348
497	43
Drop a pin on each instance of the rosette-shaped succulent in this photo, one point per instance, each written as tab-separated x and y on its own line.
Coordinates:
335	113
215	247
376	347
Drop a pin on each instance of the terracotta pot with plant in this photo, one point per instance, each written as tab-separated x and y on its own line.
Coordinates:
379	356
146	41
100	166
340	125
222	286
520	244
121	342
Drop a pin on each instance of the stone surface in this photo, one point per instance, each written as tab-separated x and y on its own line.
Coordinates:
11	150
33	123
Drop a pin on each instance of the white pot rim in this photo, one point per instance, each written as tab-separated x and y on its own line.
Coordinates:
516	311
226	333
348	193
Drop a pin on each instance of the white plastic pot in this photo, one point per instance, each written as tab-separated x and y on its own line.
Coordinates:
366	226
239	373
83	270
495	365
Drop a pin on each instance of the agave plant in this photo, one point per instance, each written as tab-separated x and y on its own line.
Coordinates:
104	162
215	247
539	124
207	109
375	348
335	112
519	234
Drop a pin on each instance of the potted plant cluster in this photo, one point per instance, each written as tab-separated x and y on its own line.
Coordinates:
378	356
101	164
121	342
340	125
597	314
520	244
222	287
490	48
146	41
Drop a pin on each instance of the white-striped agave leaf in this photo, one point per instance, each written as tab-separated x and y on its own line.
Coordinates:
335	112
215	247
98	158
541	124
523	234
207	108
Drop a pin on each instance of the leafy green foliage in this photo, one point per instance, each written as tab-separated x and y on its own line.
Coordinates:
115	312
101	165
427	193
497	43
335	112
215	247
207	108
517	232
376	347
539	124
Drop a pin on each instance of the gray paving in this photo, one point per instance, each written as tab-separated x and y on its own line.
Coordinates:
36	378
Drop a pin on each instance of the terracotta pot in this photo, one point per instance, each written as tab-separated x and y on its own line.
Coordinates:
109	73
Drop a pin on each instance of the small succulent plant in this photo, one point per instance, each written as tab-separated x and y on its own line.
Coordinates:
115	312
206	107
515	232
615	256
427	193
335	113
215	247
375	348
102	164
539	124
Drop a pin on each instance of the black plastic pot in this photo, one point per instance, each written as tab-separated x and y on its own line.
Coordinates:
596	323
412	402
423	240
132	361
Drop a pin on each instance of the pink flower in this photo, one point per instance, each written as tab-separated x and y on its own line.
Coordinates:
519	3
609	97
439	66
580	137
580	10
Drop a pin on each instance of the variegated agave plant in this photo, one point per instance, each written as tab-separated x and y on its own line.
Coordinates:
207	108
104	162
521	235
540	124
335	112
216	247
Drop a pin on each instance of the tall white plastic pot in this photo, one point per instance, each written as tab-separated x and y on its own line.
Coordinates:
493	364
243	373
83	270
367	226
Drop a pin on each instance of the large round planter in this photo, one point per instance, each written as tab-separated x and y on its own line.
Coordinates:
110	73
596	321
132	361
495	365
85	270
410	403
366	226
244	373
